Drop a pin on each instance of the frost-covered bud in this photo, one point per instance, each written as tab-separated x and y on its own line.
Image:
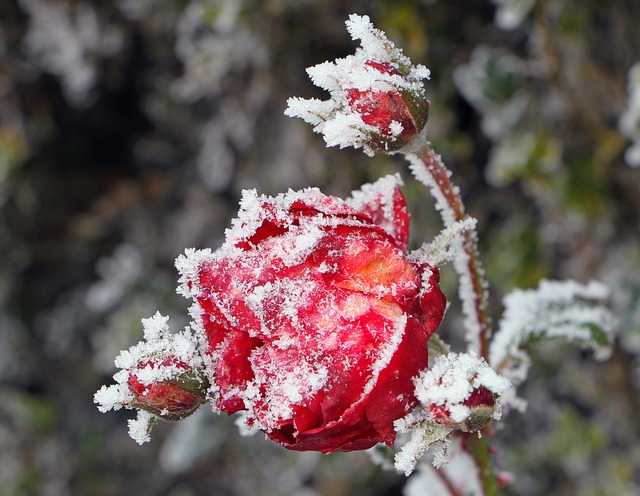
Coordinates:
481	408
167	387
316	320
377	98
161	377
460	391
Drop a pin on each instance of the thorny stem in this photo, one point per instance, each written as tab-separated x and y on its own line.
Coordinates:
449	485
429	169
474	299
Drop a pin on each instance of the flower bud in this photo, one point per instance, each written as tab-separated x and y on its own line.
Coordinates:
461	392
172	398
480	411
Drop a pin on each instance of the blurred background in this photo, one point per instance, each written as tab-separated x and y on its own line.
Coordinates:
128	129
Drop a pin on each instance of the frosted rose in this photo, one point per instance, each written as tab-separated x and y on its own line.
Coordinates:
315	319
395	115
377	98
166	387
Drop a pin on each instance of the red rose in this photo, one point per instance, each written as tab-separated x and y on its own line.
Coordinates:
397	116
316	321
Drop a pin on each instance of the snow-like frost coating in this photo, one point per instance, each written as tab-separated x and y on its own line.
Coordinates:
565	309
630	119
451	380
305	309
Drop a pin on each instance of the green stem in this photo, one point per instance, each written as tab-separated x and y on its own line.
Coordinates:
479	448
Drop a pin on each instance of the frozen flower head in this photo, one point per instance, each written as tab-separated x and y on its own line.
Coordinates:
461	391
377	98
162	377
315	320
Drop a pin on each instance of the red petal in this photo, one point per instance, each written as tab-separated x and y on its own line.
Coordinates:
385	203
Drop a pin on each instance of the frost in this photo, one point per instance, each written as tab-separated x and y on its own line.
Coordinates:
460	472
444	247
424	434
630	119
556	309
210	50
522	154
140	427
458	249
447	384
488	69
62	40
340	125
452	379
118	273
381	195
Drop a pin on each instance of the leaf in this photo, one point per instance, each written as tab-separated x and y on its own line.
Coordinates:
556	309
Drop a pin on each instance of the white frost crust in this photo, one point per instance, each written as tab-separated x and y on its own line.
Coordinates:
333	118
452	379
443	248
140	427
423	435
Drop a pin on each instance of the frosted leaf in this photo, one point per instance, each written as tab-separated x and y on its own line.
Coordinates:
488	69
443	248
556	309
522	155
66	39
423	433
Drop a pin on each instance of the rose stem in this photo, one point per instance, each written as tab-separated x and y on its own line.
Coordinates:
428	168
